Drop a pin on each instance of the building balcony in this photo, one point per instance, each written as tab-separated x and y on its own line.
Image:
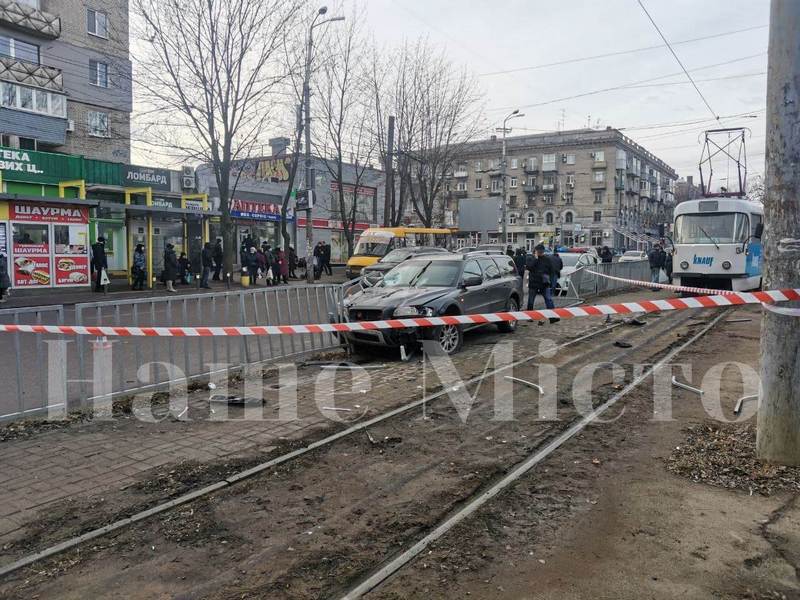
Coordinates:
530	189
599	164
495	192
458	193
531	166
548	187
619	184
31	74
24	17
459	174
549	167
652	179
598	185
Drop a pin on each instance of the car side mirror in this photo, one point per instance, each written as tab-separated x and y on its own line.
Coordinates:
472	281
759	231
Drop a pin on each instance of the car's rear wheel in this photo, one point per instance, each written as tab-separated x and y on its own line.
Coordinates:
509	326
449	337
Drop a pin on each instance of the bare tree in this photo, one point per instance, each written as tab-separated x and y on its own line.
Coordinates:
756	190
211	74
437	110
344	136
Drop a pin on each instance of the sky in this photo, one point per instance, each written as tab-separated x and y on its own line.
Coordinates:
499	40
488	36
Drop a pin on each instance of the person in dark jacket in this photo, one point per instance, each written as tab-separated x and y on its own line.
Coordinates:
510	251
218	256
519	261
5	280
318	254
184	268
250	264
206	261
540	270
292	262
558	264
657	259
326	258
283	267
668	265
99	262
171	267
606	255
139	268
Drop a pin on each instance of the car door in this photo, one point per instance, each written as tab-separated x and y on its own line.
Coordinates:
474	298
510	281
496	293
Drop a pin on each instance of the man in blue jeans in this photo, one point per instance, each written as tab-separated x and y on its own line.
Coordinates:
540	270
657	259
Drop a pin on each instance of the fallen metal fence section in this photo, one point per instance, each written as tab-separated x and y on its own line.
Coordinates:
583	284
191	357
23	368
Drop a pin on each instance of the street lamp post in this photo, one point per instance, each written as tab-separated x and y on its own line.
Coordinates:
310	179
503	169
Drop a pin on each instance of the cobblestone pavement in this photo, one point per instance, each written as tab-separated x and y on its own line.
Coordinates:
43	467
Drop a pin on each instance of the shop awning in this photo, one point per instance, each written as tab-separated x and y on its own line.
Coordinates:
49	200
161	209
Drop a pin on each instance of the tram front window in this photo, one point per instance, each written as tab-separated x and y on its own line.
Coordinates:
717	228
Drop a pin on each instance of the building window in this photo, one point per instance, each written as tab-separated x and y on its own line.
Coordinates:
568	217
477	165
599	156
98	124
512	219
599	176
18	49
98	73
597	237
598	197
513	182
531	180
512	200
570	179
570	159
548	198
495	185
461	186
515	163
530	219
97	23
30	99
548	218
569	198
478	184
549	162
597	216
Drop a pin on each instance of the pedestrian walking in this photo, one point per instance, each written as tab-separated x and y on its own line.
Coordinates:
540	270
99	262
171	267
5	280
668	265
519	261
184	268
139	271
657	259
509	251
318	252
606	255
250	264
326	258
283	267
206	262
218	259
558	265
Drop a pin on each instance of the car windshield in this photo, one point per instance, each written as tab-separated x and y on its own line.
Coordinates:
716	228
418	273
396	256
373	246
570	260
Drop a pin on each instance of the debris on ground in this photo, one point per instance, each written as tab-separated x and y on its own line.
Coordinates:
724	455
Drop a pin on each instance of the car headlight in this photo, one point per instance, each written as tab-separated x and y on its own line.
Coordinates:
726	264
406	311
684	265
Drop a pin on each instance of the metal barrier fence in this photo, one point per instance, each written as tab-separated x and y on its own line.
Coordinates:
583	284
23	362
196	356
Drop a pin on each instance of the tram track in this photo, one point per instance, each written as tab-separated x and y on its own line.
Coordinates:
652	328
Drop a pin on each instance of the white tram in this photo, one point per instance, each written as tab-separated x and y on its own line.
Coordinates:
718	243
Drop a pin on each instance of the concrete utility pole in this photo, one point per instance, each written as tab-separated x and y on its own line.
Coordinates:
503	170
389	175
779	410
310	178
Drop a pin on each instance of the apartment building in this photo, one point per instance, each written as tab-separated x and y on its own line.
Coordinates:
572	188
65	77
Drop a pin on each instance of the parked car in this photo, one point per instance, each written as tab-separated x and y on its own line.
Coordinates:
572	262
633	256
498	248
434	285
373	273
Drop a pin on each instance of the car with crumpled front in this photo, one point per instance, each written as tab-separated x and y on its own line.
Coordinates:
435	285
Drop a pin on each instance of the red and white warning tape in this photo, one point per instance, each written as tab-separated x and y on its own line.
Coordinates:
665	286
625	308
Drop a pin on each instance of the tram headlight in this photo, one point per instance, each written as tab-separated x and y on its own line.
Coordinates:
726	264
684	265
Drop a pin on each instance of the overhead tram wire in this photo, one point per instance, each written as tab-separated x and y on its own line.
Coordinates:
617	53
697	89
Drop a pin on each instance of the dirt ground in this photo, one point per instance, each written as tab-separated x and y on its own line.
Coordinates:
627	509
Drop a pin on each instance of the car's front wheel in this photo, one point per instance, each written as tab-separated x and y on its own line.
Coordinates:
450	338
509	326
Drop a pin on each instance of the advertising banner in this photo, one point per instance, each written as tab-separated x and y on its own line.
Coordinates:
72	270
31	271
38	212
